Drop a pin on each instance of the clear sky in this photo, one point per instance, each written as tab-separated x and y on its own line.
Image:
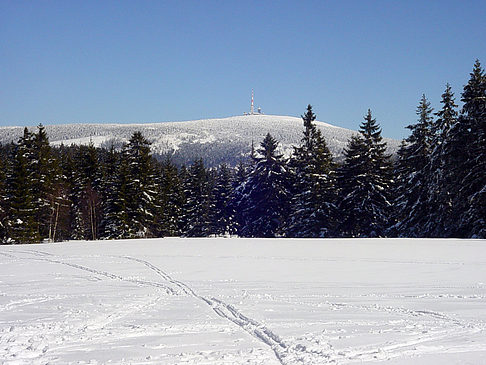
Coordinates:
150	61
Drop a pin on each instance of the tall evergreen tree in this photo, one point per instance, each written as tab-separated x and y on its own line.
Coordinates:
141	189
313	208
439	203
87	198
364	180
122	224
199	204
45	183
65	210
412	218
171	200
3	197
224	217
263	199
468	140
397	189
112	224
21	223
241	174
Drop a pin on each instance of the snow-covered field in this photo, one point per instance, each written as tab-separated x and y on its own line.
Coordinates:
244	301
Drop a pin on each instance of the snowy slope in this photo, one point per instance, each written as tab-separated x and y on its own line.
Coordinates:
244	301
217	140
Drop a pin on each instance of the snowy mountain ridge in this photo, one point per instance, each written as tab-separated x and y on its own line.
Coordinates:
216	140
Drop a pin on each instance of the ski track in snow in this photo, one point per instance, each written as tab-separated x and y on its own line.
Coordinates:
285	353
422	328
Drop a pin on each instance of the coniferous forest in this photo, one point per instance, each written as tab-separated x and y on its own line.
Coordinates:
434	187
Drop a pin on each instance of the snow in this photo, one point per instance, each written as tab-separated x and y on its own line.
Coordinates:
97	141
239	301
228	136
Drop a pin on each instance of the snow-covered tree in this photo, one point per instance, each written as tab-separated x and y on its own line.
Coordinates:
171	200
141	190
312	207
364	182
21	225
224	217
65	210
414	159
114	222
262	200
439	203
468	143
241	173
87	194
45	184
199	205
3	196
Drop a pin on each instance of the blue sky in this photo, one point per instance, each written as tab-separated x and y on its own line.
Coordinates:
150	61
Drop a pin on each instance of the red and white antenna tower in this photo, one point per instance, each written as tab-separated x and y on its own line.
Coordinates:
251	109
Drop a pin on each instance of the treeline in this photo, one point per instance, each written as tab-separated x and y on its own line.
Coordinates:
435	187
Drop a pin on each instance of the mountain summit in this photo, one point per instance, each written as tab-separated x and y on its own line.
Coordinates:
216	140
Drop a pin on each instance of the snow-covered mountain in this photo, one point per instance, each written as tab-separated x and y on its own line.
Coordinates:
216	140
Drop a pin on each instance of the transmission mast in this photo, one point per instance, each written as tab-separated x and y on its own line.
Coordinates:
252	108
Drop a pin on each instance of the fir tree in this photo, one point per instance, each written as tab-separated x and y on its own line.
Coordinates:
199	204
263	199
141	189
312	207
241	174
224	217
364	181
64	215
21	224
397	189
412	218
440	200
59	196
112	225
122	223
45	184
87	199
171	200
3	197
468	140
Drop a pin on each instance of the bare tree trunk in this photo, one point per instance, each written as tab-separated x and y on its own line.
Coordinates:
93	220
55	224
53	210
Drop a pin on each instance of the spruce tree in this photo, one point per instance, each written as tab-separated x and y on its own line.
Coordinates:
21	225
112	222
64	214
440	199
263	199
412	218
241	174
397	189
364	182
224	217
171	200
58	197
122	223
3	197
198	207
313	208
87	198
141	189
468	140
45	183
